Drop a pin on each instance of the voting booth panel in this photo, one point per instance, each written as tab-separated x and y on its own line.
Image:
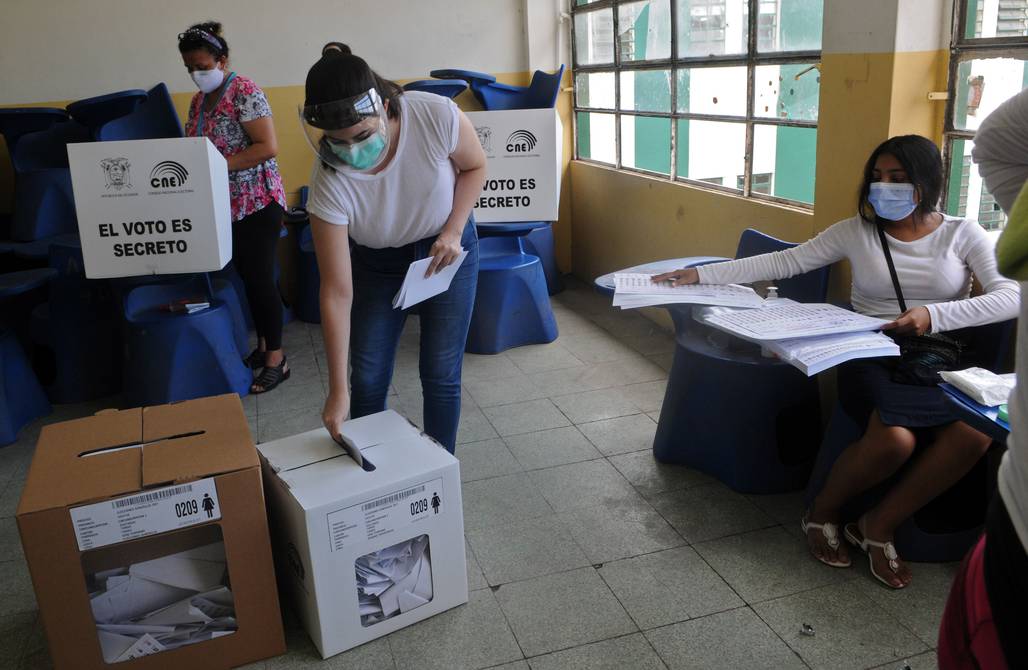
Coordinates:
146	538
367	548
151	206
524	151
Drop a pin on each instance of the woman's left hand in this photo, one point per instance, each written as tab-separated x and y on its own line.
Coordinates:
445	250
917	321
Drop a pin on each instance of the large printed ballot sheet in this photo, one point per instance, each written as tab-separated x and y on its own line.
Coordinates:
639	290
790	320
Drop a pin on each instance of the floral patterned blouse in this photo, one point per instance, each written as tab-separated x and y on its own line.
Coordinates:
254	188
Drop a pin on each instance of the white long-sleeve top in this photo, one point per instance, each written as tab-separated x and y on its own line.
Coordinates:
934	271
1001	151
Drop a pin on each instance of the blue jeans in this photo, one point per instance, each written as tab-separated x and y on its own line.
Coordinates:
375	329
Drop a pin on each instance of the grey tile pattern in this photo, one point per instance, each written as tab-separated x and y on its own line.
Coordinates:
525	417
486	459
621	435
707	512
547	448
524	549
630	651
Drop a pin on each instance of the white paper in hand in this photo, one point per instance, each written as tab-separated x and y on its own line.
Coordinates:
416	288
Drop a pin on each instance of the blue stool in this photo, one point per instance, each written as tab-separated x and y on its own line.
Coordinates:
539	242
18	121
96	111
448	88
512	305
154	118
308	279
43	202
541	93
170	357
947	527
22	399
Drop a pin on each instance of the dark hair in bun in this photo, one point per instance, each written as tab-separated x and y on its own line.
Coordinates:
206	36
335	47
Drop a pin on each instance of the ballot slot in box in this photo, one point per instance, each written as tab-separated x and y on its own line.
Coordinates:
369	531
149	207
146	537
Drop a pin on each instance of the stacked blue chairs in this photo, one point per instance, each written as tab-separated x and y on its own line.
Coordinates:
541	93
512	306
43	201
78	332
18	121
96	111
177	356
308	279
753	422
448	88
154	118
22	398
945	528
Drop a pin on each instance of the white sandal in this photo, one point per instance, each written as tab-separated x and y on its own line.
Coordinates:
859	539
830	532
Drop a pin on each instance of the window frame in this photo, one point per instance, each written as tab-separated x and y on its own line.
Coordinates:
963	49
751	60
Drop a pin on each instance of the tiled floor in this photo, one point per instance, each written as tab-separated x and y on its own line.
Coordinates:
583	552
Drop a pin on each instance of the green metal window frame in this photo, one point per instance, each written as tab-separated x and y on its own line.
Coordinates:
752	59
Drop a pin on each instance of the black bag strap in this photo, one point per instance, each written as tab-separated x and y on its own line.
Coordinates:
892	268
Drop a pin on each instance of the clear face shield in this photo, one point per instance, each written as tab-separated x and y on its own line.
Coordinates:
351	135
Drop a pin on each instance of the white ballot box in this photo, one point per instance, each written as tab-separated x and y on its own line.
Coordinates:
524	150
151	206
366	548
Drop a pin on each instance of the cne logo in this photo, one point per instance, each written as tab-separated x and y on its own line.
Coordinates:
521	142
168	174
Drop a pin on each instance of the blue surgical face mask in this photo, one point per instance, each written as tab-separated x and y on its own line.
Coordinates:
892	201
364	154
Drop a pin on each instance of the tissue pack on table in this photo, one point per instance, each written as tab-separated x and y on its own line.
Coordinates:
365	551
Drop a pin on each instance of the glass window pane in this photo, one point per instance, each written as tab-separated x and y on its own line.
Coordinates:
789	25
646	90
711	27
710	150
595	89
595	135
594	37
712	90
644	30
787	91
983	85
788	155
992	18
579	3
646	143
966	195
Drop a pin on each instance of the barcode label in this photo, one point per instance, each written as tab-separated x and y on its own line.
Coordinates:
396	497
147	513
152	497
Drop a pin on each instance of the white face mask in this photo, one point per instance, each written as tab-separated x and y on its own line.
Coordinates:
208	80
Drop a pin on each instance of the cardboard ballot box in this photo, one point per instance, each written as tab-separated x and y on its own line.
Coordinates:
367	549
151	206
147	541
524	150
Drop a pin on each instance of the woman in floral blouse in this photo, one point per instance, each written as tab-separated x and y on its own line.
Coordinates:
232	112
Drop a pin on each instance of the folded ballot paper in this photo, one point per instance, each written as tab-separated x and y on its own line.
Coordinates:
161	604
417	288
981	385
394	580
639	290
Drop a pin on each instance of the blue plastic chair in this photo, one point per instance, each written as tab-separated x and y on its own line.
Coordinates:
540	243
945	528
541	93
308	279
170	357
752	422
18	121
154	118
449	88
512	305
96	111
43	202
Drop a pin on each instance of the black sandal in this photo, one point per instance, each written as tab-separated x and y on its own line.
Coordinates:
270	377
255	360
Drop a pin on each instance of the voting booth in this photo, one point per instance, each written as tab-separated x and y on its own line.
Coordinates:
369	534
524	151
151	206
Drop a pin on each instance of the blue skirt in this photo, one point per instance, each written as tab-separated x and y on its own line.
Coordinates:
866	385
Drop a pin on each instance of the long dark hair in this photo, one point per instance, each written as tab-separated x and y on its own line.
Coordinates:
339	74
206	36
921	161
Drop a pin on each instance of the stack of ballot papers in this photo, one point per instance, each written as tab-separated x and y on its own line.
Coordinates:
639	290
417	288
162	604
810	336
394	580
983	386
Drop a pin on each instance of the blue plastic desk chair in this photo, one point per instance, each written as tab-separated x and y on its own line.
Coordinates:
43	202
19	121
22	398
96	111
541	93
512	305
945	528
154	118
449	88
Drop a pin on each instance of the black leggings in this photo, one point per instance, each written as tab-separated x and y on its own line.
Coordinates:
254	242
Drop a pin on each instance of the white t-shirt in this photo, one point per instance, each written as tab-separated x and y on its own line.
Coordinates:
413	196
934	271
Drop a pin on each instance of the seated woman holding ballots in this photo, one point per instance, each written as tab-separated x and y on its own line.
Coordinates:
911	265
